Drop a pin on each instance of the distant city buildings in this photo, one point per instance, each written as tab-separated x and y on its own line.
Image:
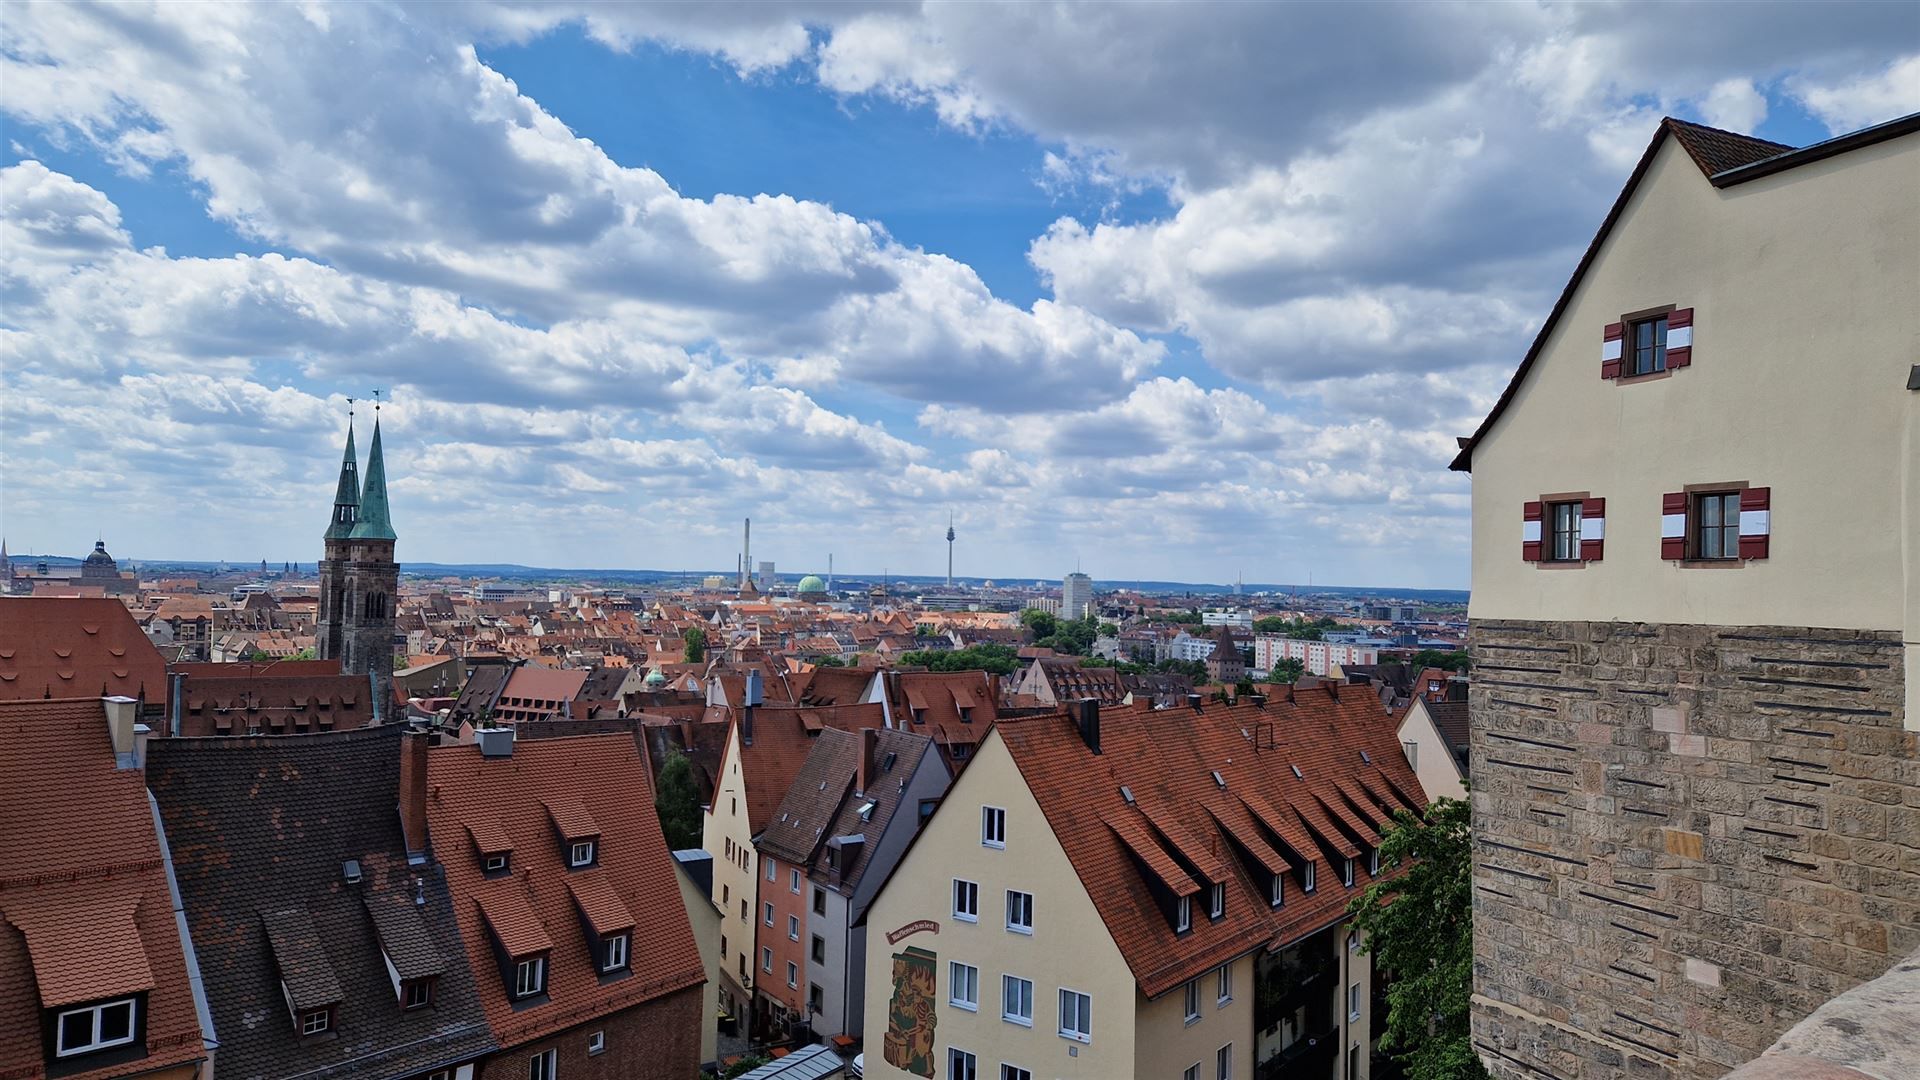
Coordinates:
1076	596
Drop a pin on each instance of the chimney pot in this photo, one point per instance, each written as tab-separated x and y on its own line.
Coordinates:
123	716
1089	710
1193	700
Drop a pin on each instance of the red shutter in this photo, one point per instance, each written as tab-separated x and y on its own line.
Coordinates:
1530	532
1756	522
1673	525
1680	338
1593	529
1612	340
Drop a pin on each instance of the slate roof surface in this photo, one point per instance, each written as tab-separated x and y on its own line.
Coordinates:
1716	151
84	907
301	960
65	647
799	823
886	790
404	936
1451	718
263	824
1182	823
609	778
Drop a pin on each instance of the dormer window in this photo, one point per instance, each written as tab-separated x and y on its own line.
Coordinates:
416	994
495	863
316	1021
95	1027
1217	901
1373	862
1279	895
613	953
1346	872
1306	878
581	853
1183	915
530	977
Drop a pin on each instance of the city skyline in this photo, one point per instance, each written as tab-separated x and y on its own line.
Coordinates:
1130	309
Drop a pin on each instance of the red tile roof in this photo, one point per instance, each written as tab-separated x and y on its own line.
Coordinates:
1177	825
598	903
66	647
609	779
782	738
85	911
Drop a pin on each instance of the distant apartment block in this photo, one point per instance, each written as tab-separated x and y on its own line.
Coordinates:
1320	657
1076	596
1696	616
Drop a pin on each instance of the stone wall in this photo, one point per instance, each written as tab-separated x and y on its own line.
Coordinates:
1687	838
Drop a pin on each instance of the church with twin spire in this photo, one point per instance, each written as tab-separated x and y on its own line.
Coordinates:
359	581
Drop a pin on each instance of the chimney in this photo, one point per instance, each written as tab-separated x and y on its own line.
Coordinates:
1259	700
176	700
494	742
122	718
1089	710
1193	702
413	794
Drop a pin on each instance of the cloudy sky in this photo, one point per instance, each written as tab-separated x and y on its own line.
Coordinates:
1175	291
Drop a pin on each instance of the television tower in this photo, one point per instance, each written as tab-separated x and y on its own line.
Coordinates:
949	550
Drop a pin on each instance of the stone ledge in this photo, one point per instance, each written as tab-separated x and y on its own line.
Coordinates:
1872	1030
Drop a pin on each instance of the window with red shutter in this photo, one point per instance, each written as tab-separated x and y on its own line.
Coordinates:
1611	340
1593	529
1673	525
1756	522
1530	532
1679	338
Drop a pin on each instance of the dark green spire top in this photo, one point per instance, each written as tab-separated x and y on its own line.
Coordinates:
346	499
376	521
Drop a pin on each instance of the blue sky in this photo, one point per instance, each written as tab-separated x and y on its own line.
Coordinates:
1106	283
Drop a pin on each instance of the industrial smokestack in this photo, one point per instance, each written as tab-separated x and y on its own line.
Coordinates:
746	553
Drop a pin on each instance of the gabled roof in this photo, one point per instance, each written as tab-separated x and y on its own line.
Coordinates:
67	647
1212	798
782	739
895	757
305	971
1725	158
263	825
85	912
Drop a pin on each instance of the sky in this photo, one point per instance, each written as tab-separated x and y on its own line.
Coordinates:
1166	291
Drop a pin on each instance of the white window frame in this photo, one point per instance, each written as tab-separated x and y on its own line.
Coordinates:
596	1043
773	869
1190	1001
1309	876
793	928
614	954
407	990
575	858
793	883
993	827
1019	927
766	913
959	1060
963	977
1014	1072
1353	1002
972	894
523	987
1223	986
1182	914
1011	987
793	975
1192	1073
493	864
1279	894
1373	862
95	1042
1412	750
1346	871
544	1065
1082	1031
316	1022
1223	1063
766	959
1353	940
1217	900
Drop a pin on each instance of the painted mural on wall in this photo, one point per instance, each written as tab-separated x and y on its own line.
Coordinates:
910	1018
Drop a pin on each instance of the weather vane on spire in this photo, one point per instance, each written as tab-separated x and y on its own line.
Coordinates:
376	398
350	408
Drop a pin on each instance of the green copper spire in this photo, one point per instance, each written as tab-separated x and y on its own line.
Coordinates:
376	522
346	500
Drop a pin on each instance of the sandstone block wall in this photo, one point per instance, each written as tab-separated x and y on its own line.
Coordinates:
1687	838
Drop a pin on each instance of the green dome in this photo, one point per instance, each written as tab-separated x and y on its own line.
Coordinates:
812	584
655	678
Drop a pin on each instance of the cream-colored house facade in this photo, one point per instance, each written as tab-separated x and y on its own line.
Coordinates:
1696	615
1429	754
728	837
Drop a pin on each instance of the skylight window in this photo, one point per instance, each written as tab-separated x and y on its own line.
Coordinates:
1218	779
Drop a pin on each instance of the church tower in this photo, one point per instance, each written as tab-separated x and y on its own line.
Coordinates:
358	578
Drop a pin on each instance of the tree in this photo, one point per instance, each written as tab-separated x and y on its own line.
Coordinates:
303	654
1041	624
999	659
1272	624
828	661
1108	629
1419	926
1449	661
1287	670
677	799
696	639
1192	669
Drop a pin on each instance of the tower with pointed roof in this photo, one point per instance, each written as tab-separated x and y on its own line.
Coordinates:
358	577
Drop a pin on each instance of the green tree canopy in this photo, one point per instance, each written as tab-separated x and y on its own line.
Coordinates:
1450	661
1287	670
677	799
1419	927
1039	623
998	659
696	639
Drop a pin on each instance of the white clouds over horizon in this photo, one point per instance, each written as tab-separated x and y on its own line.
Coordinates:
595	369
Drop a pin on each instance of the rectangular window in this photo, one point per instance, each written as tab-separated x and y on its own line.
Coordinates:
614	956
1190	1000
1373	862
819	952
596	1043
1413	754
1346	872
1183	915
419	994
1014	1072
1016	1000
766	914
495	864
1076	1015
1647	346
1223	985
793	928
581	854
1279	889
793	975
961	1065
1223	1063
544	1065
819	900
530	977
773	869
1565	520
966	900
1716	525
766	960
1217	901
793	883
315	1022
963	986
1192	1073
1019	912
993	827
1353	1002
1308	884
